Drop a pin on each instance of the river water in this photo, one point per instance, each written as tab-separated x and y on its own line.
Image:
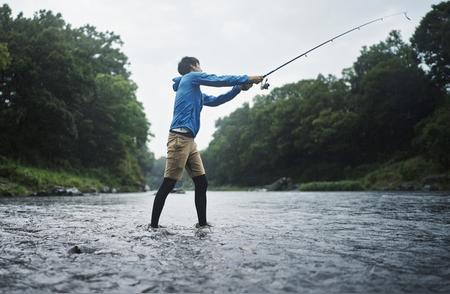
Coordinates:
260	242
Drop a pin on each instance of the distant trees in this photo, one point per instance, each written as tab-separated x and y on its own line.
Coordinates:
66	99
384	107
433	137
431	40
391	94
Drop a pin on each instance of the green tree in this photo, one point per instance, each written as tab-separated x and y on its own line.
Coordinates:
66	98
391	94
433	137
431	40
392	48
393	99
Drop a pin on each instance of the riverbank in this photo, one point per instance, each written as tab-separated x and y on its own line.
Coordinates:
21	180
413	174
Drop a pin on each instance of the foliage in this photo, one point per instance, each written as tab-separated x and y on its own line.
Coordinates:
433	138
66	99
18	179
8	188
431	40
391	174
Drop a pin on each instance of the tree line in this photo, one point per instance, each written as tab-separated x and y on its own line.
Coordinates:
392	104
67	100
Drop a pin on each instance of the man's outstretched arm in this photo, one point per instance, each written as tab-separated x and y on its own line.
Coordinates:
205	79
210	100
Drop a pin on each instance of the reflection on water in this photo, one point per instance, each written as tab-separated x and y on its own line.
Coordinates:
261	242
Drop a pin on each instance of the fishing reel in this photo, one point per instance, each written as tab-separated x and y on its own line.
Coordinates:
264	84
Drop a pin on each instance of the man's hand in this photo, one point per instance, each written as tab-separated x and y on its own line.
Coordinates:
256	79
245	87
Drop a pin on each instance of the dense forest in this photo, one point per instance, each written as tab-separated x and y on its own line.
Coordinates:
386	119
67	102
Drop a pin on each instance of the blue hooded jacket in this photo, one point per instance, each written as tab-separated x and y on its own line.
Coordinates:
189	100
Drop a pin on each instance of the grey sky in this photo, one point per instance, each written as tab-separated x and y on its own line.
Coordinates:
230	37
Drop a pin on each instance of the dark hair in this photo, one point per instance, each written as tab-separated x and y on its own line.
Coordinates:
186	64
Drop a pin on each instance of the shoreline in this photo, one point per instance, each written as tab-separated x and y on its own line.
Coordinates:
22	180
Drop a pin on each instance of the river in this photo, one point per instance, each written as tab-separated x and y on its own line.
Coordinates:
260	242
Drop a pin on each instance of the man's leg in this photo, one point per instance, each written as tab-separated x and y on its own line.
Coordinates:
201	185
194	166
177	154
160	199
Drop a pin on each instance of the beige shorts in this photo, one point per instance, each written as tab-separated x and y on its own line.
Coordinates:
182	153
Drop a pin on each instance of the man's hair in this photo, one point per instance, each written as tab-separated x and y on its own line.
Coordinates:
186	64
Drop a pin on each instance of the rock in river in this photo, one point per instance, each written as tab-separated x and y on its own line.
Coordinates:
282	184
59	191
74	250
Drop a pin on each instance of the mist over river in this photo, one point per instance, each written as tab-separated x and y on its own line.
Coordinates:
261	242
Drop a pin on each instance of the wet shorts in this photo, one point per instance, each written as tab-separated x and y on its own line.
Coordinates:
182	153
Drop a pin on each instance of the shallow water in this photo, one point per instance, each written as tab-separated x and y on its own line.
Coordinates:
260	242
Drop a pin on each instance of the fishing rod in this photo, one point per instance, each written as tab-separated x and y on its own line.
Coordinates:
265	84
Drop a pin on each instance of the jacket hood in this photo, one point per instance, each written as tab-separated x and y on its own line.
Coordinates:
176	83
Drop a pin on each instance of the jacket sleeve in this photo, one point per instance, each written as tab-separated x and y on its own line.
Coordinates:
216	101
205	79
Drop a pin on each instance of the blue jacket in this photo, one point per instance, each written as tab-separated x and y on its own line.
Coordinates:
189	100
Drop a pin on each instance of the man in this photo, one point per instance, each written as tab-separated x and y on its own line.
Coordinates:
181	149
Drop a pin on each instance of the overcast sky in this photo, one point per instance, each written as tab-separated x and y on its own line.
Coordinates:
230	37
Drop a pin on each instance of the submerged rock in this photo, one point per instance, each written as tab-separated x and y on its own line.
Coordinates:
282	184
105	189
408	186
92	190
436	182
59	191
74	250
73	191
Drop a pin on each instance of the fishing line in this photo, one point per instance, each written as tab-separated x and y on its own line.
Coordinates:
265	84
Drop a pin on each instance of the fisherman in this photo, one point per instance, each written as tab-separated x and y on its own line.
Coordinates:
181	148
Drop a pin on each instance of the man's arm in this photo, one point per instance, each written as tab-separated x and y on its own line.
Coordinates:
209	100
205	79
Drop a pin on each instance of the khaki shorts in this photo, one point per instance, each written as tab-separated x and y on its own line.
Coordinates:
182	153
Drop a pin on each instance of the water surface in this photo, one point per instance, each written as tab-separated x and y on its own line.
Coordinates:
260	242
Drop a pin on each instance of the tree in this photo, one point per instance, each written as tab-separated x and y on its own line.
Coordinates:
392	48
431	40
391	95
433	137
67	100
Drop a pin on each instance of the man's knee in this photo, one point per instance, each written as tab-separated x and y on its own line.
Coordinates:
170	181
200	182
167	185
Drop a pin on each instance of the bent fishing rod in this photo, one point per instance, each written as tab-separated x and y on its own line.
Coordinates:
265	84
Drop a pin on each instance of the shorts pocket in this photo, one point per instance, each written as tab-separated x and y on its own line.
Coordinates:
172	142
